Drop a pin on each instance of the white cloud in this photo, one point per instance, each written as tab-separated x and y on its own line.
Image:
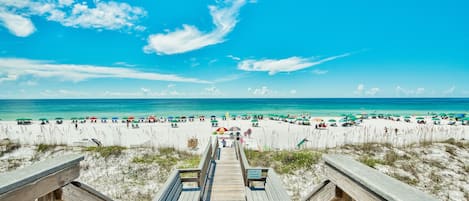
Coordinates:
12	68
211	91
145	90
233	57
189	38
171	85
319	72
16	15
360	89
283	65
372	91
263	91
17	25
293	91
449	91
409	92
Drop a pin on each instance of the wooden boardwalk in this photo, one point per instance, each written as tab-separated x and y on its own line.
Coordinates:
228	184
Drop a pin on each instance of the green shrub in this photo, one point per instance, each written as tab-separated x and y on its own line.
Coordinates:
284	162
369	161
106	151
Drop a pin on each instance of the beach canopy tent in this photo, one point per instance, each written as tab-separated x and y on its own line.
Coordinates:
23	121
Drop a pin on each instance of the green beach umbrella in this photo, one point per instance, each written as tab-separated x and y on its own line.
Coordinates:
420	118
214	121
59	118
73	118
135	121
407	117
81	118
125	118
254	120
43	119
332	120
436	119
396	115
443	114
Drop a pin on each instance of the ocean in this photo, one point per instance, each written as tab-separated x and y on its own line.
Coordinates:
67	108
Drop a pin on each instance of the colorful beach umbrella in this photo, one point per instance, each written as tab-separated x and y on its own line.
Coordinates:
234	128
222	129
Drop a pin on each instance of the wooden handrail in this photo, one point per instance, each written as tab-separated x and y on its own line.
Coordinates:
361	182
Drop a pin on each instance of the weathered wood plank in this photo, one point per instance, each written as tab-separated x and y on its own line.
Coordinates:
228	183
42	186
323	191
76	191
364	183
18	178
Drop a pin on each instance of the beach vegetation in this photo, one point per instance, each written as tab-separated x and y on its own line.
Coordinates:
168	157
7	146
466	169
456	143
451	150
390	158
370	161
284	162
41	148
405	179
106	151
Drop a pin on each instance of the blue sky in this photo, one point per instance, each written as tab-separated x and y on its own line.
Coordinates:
233	48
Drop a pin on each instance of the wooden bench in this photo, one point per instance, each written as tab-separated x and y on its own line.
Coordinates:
272	191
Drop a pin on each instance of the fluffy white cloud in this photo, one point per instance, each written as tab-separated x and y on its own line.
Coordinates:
361	90
16	15
293	91
211	91
224	17
233	57
263	91
13	68
409	92
17	25
372	91
291	64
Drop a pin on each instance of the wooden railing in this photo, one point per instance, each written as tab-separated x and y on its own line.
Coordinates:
351	180
273	186
174	185
48	180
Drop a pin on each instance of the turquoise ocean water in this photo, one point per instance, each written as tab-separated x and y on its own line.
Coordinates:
66	108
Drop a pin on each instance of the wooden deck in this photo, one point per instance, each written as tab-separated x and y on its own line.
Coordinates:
228	184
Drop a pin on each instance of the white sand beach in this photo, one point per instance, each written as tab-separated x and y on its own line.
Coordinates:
270	134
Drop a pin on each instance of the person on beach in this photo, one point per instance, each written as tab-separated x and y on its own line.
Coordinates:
76	125
223	142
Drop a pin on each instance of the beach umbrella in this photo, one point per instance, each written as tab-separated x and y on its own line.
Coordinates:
436	119
234	128
43	119
332	120
214	121
174	121
59	118
81	118
420	118
93	118
396	115
459	115
134	121
254	120
115	118
131	117
407	117
104	118
222	129
73	118
443	114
